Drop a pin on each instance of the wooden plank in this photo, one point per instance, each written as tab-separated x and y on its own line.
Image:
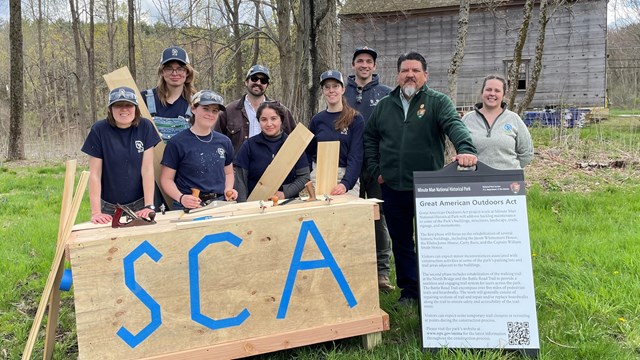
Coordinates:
122	77
58	258
327	170
250	276
282	164
265	344
54	300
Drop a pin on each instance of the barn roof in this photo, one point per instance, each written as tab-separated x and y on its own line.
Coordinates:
358	7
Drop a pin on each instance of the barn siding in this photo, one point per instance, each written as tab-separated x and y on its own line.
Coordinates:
574	64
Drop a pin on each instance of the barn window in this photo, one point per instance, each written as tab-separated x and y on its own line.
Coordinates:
523	74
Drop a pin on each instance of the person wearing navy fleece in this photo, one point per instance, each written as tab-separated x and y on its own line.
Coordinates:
257	153
339	122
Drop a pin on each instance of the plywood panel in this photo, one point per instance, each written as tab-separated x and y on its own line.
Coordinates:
250	276
327	171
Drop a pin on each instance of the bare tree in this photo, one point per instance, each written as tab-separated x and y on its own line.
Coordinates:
16	141
233	11
543	20
514	68
458	55
131	38
79	73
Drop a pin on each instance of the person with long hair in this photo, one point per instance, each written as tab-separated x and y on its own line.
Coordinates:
500	136
199	158
258	151
339	122
120	150
168	102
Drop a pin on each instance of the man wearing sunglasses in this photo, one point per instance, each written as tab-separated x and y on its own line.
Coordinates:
239	120
363	91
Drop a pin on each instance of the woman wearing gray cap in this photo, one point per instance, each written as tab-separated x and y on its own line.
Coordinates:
199	158
339	122
120	150
168	103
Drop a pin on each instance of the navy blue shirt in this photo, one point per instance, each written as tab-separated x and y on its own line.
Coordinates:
351	143
178	108
198	163
256	154
367	98
121	152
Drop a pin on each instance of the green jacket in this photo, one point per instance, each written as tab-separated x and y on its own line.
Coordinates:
395	147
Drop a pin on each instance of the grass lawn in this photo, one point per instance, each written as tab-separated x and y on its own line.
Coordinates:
583	217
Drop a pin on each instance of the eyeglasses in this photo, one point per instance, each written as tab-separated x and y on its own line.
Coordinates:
331	86
359	95
256	78
169	70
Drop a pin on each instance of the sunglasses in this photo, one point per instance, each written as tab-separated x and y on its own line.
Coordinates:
122	94
256	78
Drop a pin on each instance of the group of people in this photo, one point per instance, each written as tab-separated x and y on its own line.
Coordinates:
385	135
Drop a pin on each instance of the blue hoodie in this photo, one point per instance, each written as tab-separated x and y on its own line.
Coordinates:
371	94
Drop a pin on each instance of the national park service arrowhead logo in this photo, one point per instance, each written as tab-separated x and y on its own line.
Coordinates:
421	111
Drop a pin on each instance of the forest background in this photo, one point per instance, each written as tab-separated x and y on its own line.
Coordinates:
67	46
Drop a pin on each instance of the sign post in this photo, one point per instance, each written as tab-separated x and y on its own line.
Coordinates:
474	260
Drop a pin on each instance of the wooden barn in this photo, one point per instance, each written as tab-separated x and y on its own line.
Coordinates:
574	60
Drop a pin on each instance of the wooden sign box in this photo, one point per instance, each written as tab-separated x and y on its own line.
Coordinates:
254	280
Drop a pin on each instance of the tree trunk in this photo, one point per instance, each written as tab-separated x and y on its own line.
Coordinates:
285	51
256	37
112	27
458	55
514	68
238	70
543	20
16	140
131	38
91	59
300	104
79	74
42	100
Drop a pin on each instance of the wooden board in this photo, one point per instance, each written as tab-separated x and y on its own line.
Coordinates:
122	77
58	261
251	276
282	164
327	170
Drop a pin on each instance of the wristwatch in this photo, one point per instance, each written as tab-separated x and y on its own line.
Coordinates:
150	207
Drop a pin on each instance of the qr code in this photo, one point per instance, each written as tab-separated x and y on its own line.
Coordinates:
519	333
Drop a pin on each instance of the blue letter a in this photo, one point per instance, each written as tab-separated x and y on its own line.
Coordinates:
297	264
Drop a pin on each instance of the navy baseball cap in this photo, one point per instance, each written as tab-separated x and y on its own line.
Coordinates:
207	97
123	93
174	53
258	69
331	74
365	50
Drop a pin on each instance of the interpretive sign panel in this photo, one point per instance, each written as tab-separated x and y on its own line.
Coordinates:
474	259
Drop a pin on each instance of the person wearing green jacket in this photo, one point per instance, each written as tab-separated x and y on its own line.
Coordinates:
406	133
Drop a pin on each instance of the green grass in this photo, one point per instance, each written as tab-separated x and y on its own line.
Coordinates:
585	246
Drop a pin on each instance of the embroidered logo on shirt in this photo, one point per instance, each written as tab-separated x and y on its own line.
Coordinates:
344	131
421	111
139	146
220	152
507	127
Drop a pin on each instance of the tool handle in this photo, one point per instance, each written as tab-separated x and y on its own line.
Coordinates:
310	190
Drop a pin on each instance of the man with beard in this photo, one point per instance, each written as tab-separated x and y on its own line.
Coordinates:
363	92
406	133
239	120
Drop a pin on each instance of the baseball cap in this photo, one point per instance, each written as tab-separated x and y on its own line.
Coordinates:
331	74
258	69
207	97
174	53
365	50
122	93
